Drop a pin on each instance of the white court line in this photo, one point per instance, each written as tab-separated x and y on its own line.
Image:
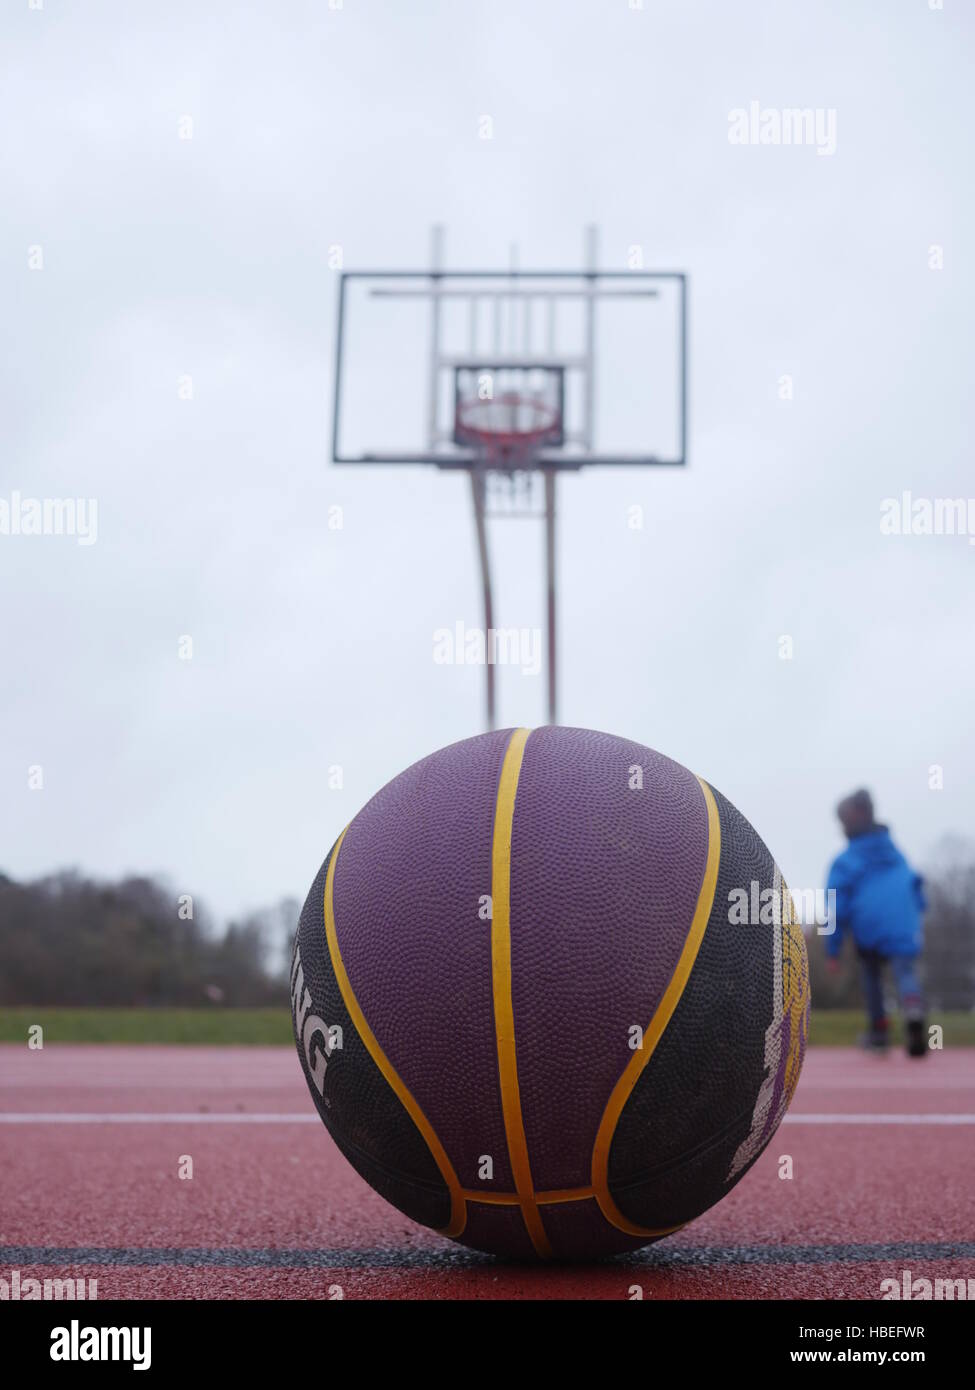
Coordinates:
873	1087
195	1117
152	1117
214	1083
878	1119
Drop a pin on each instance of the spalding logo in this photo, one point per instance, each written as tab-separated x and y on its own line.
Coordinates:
785	1037
318	1041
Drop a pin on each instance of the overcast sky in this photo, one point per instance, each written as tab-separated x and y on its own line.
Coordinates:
133	259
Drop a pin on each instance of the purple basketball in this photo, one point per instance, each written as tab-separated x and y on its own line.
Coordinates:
549	993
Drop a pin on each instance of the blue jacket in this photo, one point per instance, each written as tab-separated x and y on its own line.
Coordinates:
879	897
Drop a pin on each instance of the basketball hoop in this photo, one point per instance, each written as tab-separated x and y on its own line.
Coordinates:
507	431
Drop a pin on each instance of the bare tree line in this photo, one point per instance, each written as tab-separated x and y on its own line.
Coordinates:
66	939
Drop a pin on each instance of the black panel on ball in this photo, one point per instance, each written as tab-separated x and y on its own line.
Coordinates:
360	1110
692	1105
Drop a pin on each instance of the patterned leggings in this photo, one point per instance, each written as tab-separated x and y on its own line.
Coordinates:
904	970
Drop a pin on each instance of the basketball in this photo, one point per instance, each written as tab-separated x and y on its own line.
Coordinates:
549	994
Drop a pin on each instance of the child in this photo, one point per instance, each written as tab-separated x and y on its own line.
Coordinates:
879	902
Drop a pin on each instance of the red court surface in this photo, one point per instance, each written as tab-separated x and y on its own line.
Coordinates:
91	1139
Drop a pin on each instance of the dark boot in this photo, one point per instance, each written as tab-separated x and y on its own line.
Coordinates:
915	1036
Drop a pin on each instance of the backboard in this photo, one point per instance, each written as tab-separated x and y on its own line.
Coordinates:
587	367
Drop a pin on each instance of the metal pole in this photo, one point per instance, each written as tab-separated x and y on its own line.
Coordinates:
337	402
436	266
589	397
550	589
683	369
478	493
